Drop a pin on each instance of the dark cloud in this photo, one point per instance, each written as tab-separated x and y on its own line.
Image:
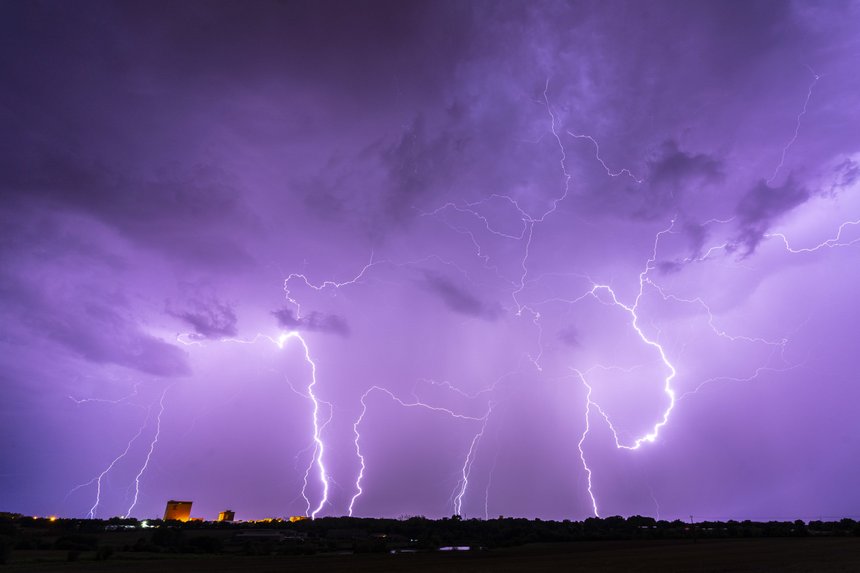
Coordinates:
695	234
847	173
673	167
761	206
93	329
314	322
672	173
460	300
211	320
673	178
120	343
184	214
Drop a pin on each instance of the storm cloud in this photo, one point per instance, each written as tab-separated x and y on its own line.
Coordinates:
180	167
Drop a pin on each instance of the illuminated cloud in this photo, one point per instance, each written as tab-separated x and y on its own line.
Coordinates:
182	183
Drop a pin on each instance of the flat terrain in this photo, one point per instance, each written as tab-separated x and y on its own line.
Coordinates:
725	555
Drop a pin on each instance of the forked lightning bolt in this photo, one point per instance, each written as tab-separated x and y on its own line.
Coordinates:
148	453
319	449
833	242
414	404
98	479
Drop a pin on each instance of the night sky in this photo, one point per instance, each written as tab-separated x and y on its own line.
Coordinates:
539	259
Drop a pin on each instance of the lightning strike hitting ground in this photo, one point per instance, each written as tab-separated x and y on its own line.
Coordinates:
148	453
501	172
467	466
416	404
319	449
579	445
98	479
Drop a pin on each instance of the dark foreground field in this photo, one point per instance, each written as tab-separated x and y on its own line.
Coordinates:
773	554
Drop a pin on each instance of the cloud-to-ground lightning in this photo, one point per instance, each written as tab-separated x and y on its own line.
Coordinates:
318	425
631	309
503	205
313	445
467	466
149	452
97	480
581	442
319	448
605	293
414	404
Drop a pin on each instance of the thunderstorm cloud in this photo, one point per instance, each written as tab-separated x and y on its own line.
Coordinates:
238	209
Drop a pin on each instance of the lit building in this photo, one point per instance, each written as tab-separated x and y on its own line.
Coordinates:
227	515
178	510
296	518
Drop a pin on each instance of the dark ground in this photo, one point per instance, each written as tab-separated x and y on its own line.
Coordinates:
727	555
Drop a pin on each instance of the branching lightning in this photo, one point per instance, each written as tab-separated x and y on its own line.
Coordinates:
610	172
835	241
325	284
122	400
98	479
579	445
632	311
422	405
523	235
148	453
319	446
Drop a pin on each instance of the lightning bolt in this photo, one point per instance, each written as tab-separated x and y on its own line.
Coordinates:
490	482
467	465
618	173
316	458
634	316
148	453
319	446
313	444
97	480
580	444
800	115
415	404
317	427
325	284
124	399
835	241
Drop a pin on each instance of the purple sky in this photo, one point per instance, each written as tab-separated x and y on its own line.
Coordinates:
535	244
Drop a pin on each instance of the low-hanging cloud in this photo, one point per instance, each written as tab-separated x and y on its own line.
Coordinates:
210	320
460	300
314	321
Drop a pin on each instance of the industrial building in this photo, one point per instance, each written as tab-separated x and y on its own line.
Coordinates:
178	510
227	515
